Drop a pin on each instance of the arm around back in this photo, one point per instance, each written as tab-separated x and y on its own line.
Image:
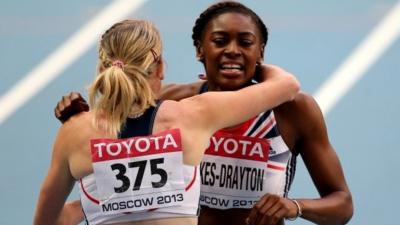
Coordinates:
199	117
180	91
216	110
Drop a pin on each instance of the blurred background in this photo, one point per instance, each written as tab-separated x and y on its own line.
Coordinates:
345	53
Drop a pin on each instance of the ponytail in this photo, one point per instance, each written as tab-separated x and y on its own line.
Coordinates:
127	57
114	96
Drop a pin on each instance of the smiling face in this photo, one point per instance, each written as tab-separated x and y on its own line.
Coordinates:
230	48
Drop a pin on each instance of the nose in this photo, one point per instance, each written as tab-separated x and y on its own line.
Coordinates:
233	49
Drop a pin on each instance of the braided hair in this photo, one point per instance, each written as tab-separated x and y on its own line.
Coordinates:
225	7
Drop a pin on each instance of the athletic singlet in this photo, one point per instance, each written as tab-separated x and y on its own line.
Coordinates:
245	162
184	203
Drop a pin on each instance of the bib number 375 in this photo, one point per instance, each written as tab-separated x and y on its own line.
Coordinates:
141	165
133	174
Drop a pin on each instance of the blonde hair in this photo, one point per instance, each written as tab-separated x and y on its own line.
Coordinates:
127	55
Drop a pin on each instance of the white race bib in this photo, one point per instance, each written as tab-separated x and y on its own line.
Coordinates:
138	173
233	171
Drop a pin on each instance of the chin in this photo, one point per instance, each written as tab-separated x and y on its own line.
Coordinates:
232	86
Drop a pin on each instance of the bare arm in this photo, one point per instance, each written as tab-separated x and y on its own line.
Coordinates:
305	121
180	91
56	186
321	160
71	213
224	109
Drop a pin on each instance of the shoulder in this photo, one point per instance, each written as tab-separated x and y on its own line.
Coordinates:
301	99
179	91
302	106
301	118
81	120
75	130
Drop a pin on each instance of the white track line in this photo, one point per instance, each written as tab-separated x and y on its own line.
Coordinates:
355	66
64	56
327	96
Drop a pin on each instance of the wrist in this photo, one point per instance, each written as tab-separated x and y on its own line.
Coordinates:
299	211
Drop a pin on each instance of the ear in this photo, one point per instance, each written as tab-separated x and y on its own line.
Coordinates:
199	52
261	59
160	69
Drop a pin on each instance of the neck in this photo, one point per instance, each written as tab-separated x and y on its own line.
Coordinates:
215	87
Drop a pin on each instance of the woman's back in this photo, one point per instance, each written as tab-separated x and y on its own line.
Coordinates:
80	160
80	130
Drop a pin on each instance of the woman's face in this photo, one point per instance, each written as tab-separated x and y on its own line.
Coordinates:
230	48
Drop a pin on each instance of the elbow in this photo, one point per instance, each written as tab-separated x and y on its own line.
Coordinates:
348	209
344	211
293	86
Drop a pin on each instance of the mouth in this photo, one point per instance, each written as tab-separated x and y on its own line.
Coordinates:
231	69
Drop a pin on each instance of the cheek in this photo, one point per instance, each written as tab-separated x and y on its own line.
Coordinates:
211	64
251	63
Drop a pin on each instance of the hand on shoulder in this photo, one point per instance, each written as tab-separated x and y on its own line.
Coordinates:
70	105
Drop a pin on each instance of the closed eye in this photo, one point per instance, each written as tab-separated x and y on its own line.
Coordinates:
219	41
246	42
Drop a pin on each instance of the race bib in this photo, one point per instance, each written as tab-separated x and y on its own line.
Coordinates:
233	171
138	173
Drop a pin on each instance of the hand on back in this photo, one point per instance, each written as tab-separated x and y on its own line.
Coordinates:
70	105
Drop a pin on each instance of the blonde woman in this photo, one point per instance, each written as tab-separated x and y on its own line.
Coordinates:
135	158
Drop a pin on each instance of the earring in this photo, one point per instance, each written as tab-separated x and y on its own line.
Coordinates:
202	76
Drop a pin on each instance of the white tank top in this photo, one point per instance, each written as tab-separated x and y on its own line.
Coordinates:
139	178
